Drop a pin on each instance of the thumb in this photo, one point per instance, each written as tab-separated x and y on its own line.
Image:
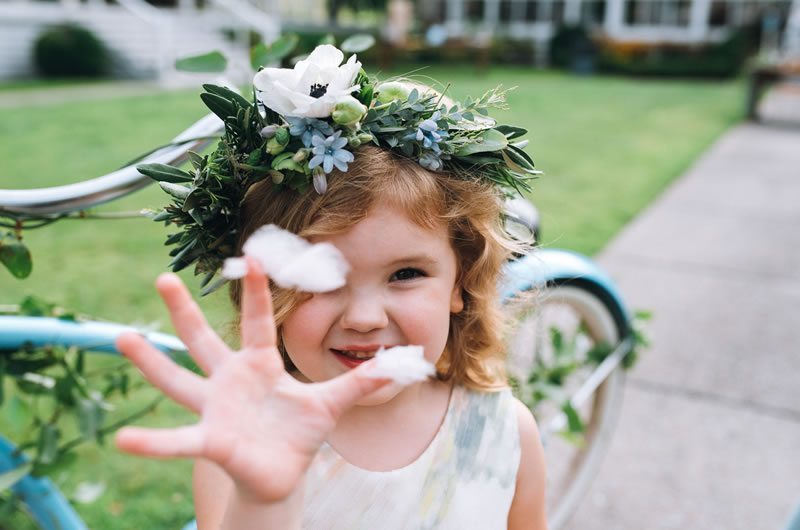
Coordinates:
344	391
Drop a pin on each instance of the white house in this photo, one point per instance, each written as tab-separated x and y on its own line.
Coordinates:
147	39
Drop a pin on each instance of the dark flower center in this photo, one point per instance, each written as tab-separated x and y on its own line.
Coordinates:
317	91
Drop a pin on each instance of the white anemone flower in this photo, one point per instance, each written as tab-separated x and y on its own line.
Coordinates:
312	88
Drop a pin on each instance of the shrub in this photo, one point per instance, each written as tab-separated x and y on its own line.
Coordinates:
68	50
722	59
573	48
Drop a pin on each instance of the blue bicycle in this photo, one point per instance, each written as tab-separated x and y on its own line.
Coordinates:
548	291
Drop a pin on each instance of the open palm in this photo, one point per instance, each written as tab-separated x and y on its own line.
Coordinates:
257	422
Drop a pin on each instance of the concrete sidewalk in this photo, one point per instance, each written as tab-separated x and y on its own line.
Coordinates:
709	434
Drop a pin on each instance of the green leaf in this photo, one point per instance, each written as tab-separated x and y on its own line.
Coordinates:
214	62
164	173
176	190
516	151
15	256
490	140
228	94
511	132
196	160
62	461
17	412
90	418
262	55
47	446
358	43
63	391
327	39
219	105
574	423
9	478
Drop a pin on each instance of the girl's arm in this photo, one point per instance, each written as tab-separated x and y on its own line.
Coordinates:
217	507
528	507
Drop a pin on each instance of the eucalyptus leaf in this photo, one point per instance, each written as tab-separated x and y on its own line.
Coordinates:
212	62
164	173
176	190
9	478
15	256
358	43
490	140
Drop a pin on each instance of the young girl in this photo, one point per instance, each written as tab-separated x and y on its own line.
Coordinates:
293	433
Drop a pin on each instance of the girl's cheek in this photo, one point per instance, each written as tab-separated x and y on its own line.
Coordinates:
308	320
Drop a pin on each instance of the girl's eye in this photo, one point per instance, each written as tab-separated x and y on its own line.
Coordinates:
407	274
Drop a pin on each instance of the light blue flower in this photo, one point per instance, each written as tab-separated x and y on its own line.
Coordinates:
430	160
429	133
307	128
329	152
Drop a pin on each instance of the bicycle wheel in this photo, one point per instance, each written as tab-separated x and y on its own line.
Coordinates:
584	320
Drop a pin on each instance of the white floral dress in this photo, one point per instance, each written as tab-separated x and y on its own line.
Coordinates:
464	480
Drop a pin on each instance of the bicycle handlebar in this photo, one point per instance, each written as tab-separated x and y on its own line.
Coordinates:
83	195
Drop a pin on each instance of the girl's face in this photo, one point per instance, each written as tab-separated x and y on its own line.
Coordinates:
401	290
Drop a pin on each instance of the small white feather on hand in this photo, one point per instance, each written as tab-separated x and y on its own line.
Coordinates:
403	364
292	262
234	268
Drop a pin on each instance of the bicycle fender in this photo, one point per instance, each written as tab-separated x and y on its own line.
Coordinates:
95	336
46	503
543	267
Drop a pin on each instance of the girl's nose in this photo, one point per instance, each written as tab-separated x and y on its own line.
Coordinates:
364	312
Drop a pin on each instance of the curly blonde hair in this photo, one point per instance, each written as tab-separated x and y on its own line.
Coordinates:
470	209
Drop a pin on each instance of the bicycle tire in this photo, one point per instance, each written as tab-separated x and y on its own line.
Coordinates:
569	483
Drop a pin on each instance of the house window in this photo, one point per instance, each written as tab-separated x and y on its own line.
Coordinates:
506	10
657	12
718	16
593	12
532	11
474	10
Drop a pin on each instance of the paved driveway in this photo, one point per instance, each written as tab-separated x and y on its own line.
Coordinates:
709	435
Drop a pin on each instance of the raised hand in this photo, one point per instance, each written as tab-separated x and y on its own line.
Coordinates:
257	422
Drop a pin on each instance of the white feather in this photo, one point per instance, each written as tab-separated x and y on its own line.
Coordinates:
293	262
403	364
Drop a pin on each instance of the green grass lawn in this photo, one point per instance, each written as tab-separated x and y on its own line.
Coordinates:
608	146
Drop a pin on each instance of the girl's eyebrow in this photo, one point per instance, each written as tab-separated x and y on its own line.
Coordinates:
423	259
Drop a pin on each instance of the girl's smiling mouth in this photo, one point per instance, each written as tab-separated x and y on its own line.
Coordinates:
353	355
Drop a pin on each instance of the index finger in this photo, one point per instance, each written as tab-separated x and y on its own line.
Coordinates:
204	344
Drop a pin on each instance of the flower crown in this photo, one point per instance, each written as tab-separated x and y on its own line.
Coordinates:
308	120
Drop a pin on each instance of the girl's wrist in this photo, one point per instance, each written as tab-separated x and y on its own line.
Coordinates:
245	511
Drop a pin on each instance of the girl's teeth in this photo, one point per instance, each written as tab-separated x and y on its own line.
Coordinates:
357	355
